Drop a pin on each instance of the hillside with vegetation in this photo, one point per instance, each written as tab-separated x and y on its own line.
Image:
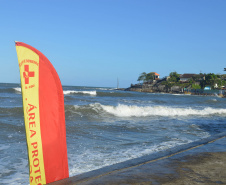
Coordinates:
177	83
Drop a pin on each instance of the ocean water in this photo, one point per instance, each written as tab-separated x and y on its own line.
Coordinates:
106	126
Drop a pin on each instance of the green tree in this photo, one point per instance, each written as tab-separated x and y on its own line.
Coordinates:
174	77
194	86
197	77
150	76
211	79
142	77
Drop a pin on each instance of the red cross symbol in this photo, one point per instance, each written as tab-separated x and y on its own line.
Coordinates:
27	74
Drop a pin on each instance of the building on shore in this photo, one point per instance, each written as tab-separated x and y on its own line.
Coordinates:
186	77
156	76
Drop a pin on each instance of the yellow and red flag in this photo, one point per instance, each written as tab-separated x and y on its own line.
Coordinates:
44	117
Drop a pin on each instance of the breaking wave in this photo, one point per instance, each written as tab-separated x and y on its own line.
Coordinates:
128	111
144	111
17	89
93	93
11	90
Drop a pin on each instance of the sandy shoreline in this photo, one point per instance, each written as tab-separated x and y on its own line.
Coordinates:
202	162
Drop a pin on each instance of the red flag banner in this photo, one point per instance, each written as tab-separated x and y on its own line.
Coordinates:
44	116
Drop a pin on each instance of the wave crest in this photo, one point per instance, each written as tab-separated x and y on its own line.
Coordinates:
136	111
122	110
93	93
17	89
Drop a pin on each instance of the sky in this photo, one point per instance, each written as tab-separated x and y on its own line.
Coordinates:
96	42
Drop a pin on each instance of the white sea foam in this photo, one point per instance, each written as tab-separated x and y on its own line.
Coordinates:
92	160
20	176
17	89
181	94
105	89
4	147
93	93
142	111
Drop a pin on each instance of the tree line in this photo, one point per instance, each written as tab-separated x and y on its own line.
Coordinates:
198	81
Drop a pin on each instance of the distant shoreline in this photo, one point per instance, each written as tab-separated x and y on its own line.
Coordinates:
195	84
217	93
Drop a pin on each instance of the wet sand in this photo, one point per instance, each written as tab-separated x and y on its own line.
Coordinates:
205	168
201	162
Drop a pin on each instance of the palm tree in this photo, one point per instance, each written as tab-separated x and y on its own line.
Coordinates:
142	77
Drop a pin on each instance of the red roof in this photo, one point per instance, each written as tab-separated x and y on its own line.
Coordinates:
156	74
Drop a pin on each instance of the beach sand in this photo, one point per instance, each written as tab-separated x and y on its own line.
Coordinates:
202	162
